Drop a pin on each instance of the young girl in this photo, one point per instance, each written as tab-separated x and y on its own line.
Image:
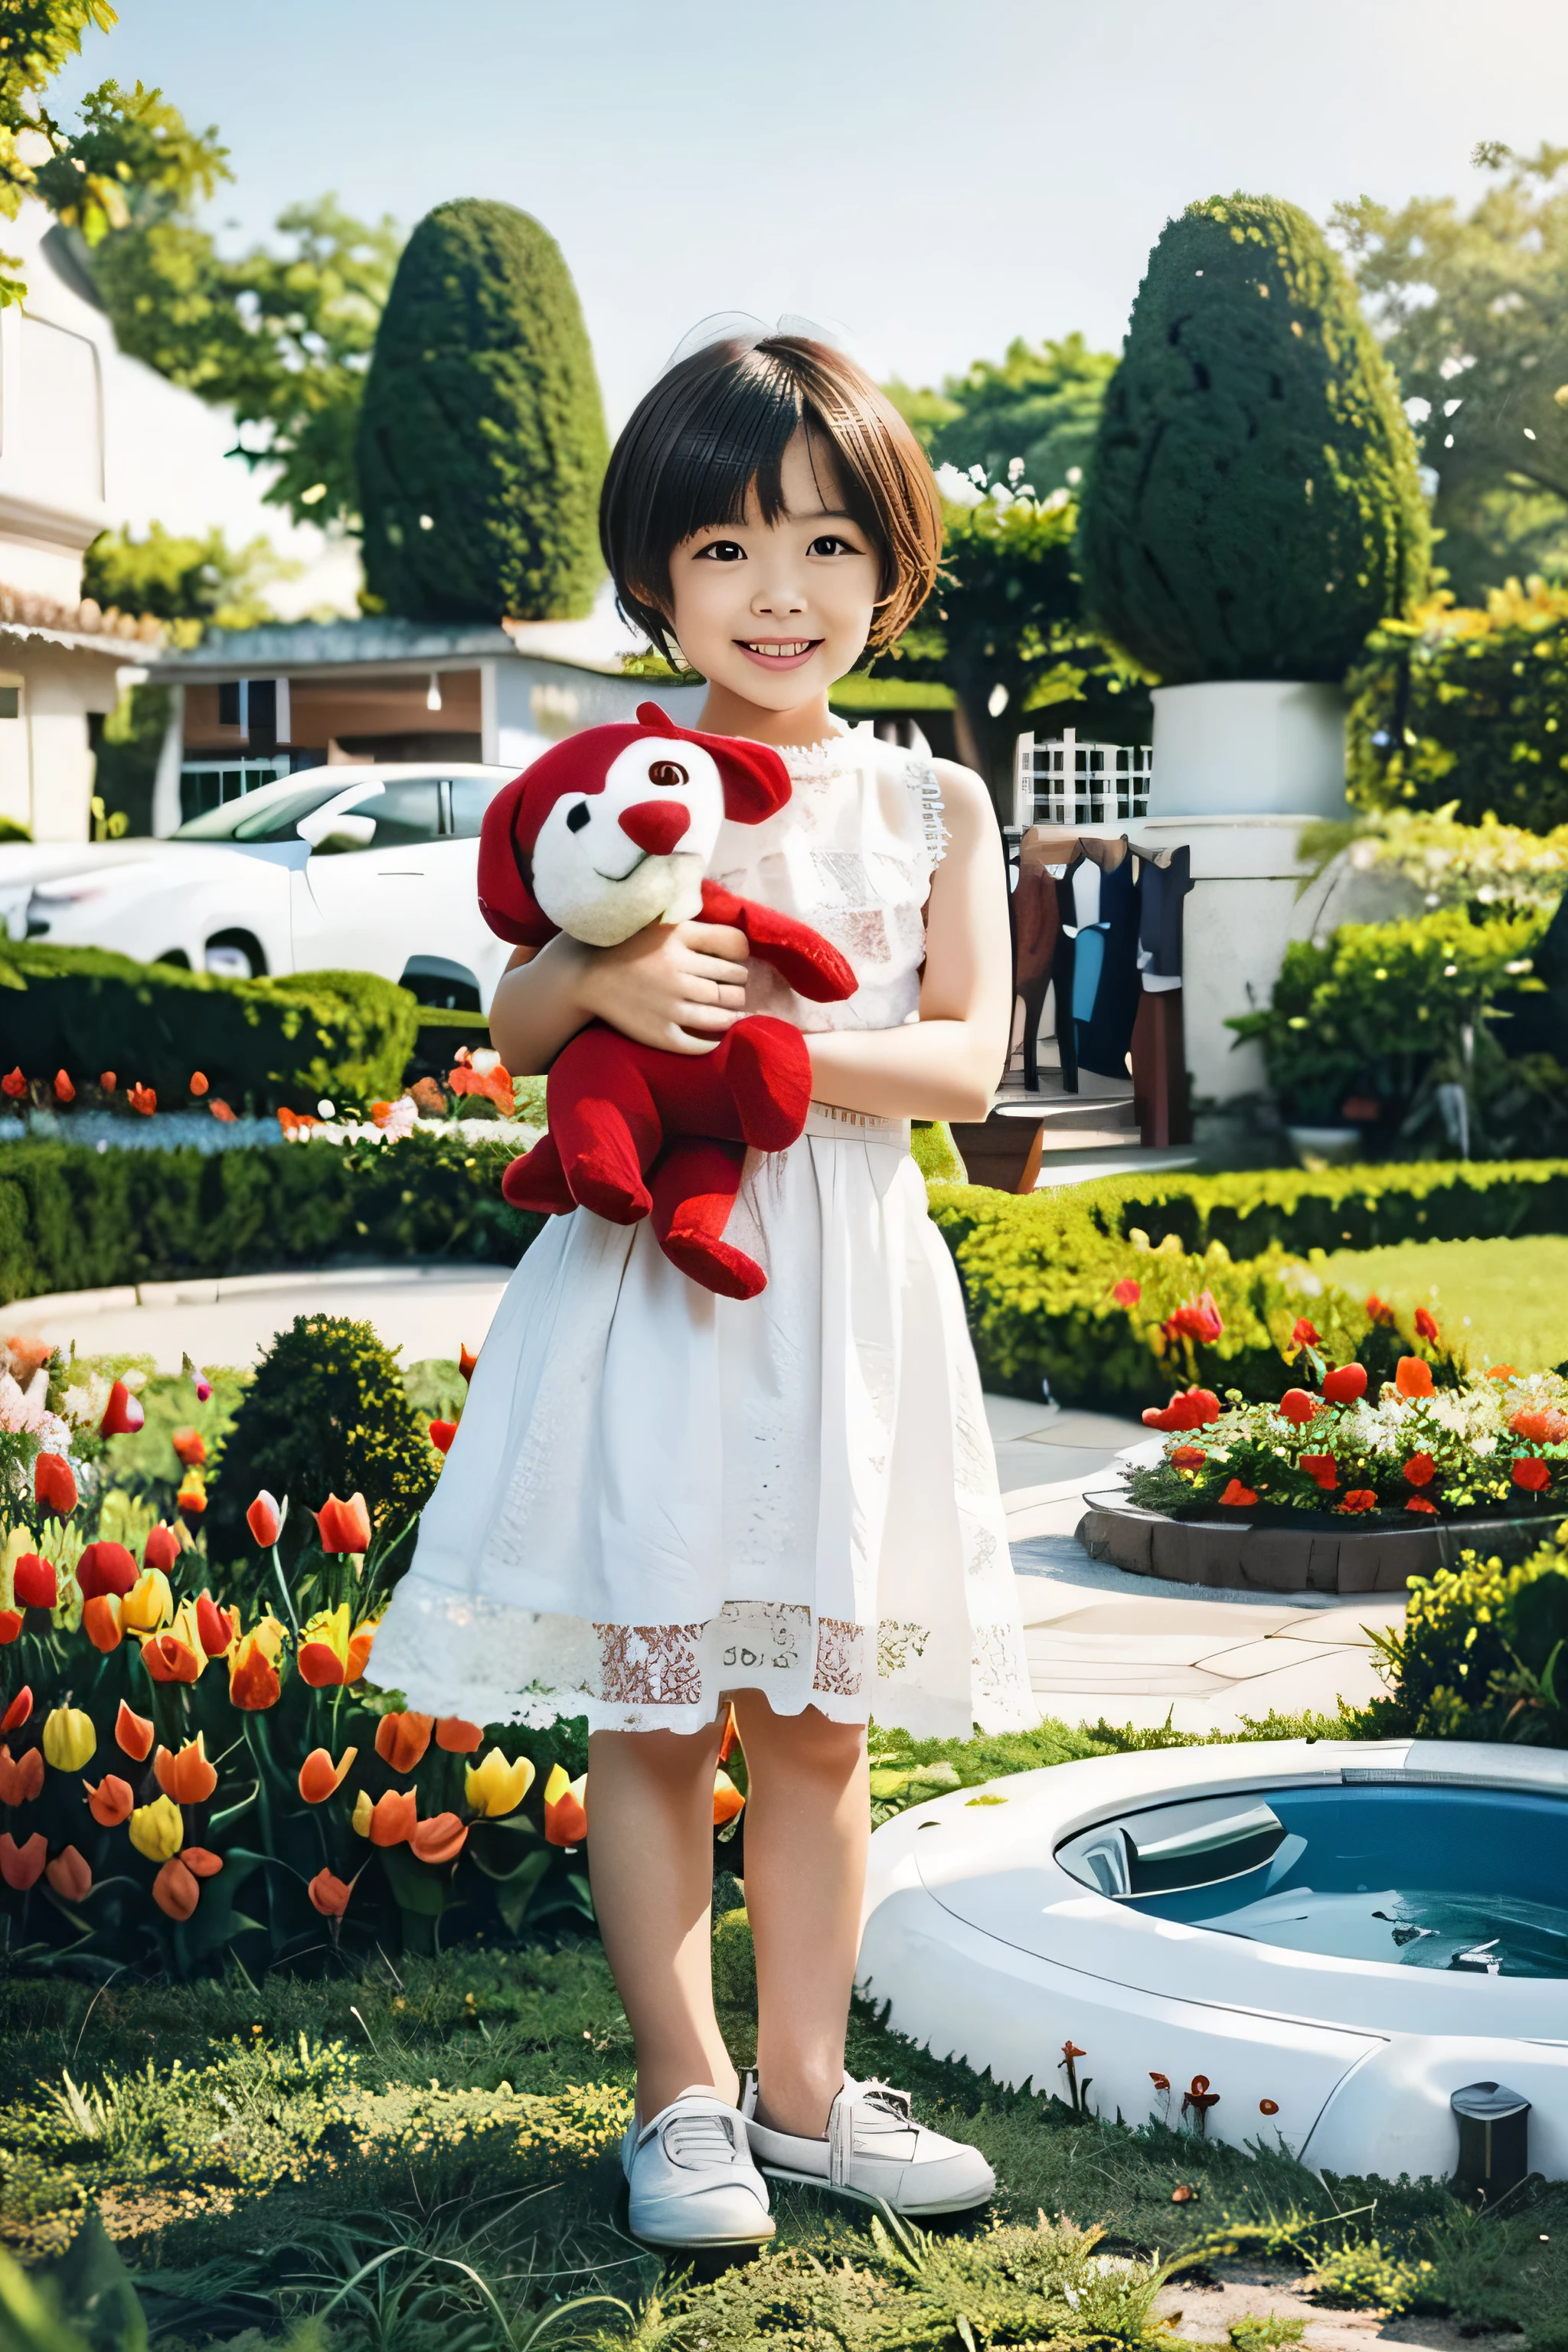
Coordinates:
659	1500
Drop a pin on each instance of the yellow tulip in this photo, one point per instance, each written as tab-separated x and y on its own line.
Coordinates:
157	1831
556	1788
359	1820
69	1740
495	1787
149	1603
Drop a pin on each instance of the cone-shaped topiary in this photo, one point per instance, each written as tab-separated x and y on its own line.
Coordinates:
482	436
326	1415
1254	508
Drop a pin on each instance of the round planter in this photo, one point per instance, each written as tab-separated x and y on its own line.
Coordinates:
1248	747
1326	1147
1231	1554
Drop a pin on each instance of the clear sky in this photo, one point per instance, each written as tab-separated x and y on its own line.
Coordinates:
937	174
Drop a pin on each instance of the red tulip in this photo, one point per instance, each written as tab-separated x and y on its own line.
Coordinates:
330	1894
143	1099
1299	1407
401	1739
1532	1473
105	1568
467	1360
344	1527
108	1081
565	1807
458	1737
1127	1292
133	1734
11	1623
1323	1468
16	1086
1188	1457
174	1890
1420	1470
123	1415
1379	1311
54	1485
21	1866
70	1875
1196	1318
21	1777
1303	1335
35	1584
1238	1497
1412	1376
63	1090
254	1682
1419	1503
732	1739
1425	1329
264	1520
438	1839
216	1627
162	1548
1359	1499
191	1447
16	1714
441	1435
1188	1409
1344	1383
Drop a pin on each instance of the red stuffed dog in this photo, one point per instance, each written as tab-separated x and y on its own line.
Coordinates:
605	832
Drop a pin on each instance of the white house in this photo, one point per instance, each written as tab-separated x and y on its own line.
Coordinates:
59	659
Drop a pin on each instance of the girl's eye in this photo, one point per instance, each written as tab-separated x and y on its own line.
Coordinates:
830	544
724	550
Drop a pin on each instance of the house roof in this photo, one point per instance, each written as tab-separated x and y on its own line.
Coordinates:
599	642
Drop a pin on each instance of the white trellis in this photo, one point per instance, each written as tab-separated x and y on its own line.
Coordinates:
1068	783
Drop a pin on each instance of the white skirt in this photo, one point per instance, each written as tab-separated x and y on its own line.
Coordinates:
655	1497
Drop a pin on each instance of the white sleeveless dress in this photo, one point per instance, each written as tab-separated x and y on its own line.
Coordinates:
656	1496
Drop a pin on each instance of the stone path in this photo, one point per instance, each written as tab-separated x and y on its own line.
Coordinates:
1102	1643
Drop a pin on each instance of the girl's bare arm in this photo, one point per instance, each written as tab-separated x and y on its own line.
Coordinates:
949	1064
655	987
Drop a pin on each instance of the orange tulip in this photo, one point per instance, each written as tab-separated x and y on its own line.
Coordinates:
319	1775
359	1641
1412	1376
565	1807
394	1818
1237	1497
216	1628
174	1890
105	1568
21	1777
440	1839
727	1799
54	1485
191	1447
192	1499
70	1875
253	1679
16	1714
15	1084
197	1858
467	1360
35	1584
162	1548
730	1741
264	1520
133	1733
111	1802
199	1083
63	1090
123	1415
324	1648
100	1621
457	1737
401	1739
108	1080
22	1865
344	1527
188	1777
330	1894
175	1656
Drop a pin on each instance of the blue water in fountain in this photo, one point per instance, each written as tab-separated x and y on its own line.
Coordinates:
1467	1879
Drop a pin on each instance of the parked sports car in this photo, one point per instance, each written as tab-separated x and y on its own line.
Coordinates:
357	868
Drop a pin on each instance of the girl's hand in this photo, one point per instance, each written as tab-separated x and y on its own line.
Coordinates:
667	981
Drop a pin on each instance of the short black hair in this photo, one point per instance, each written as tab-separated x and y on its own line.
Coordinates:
719	422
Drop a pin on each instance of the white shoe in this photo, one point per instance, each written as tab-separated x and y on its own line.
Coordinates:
875	2150
693	2182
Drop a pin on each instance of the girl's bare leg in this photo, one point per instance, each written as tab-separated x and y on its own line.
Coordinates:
650	1863
808	1825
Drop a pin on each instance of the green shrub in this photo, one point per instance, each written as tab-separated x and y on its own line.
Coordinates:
482	436
1481	1654
1380	1013
326	1413
259	1043
1254	508
1466	708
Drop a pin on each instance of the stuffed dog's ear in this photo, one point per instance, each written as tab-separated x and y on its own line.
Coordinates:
755	779
505	874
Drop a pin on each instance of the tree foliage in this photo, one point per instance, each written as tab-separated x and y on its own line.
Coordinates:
1253	508
184	578
1474	310
36	38
481	443
1041	403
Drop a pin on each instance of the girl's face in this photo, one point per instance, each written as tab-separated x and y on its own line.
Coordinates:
775	614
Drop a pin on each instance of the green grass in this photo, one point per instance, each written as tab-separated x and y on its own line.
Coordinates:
1508	1300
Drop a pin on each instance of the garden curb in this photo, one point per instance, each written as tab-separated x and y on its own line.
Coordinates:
1226	1553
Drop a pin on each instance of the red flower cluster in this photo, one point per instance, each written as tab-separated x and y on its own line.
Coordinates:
1344	1384
1323	1468
1296	1405
1188	1409
1196	1318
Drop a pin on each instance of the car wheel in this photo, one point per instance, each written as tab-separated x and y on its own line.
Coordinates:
234	955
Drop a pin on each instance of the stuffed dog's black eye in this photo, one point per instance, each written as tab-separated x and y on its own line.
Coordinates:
576	818
666	772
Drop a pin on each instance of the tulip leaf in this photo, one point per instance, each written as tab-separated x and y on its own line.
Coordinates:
220	1822
413	1888
519	1887
489	1855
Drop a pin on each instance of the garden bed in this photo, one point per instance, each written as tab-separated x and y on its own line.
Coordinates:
1323	1556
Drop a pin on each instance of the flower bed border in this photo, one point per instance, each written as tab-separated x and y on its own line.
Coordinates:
1236	1555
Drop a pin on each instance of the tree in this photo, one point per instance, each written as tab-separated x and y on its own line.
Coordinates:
1041	404
36	38
1253	508
1473	310
482	442
184	579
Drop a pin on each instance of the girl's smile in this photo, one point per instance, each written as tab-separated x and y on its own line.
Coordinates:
779	653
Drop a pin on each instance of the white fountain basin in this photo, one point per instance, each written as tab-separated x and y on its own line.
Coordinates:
1348	1930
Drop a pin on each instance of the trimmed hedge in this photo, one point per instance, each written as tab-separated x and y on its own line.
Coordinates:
75	1219
260	1044
1300	1210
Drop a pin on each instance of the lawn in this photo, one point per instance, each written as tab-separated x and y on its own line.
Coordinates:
1507	1299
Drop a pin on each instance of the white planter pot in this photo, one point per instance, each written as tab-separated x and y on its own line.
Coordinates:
1248	747
1327	1147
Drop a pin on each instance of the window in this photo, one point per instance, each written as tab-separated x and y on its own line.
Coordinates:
407	813
471	795
10	702
265	814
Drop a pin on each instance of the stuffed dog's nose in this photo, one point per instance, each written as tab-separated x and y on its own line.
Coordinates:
655	825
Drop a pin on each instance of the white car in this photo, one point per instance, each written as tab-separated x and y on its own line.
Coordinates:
337	868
